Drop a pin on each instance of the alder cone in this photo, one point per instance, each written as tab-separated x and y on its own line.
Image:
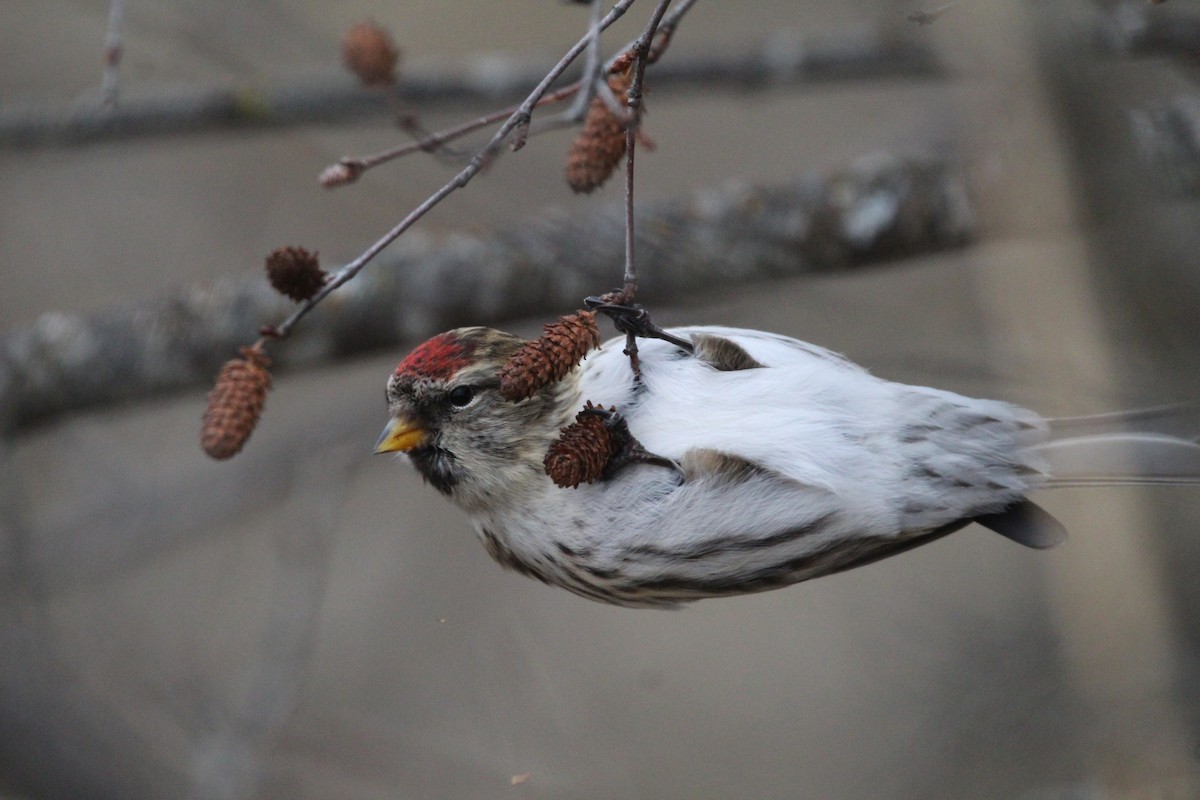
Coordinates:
294	272
235	403
582	450
600	146
549	358
368	52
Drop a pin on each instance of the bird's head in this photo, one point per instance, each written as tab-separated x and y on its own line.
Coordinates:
448	416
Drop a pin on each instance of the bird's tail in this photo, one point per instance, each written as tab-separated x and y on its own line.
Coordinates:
1158	445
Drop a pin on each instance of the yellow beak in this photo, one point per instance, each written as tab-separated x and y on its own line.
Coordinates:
400	436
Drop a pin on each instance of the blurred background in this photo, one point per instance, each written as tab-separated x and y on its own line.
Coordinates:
307	621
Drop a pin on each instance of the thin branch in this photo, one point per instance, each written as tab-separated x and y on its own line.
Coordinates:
593	84
641	50
356	165
629	287
349	168
667	28
518	118
591	67
629	282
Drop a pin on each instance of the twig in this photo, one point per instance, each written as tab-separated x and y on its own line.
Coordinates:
349	168
667	28
641	50
591	67
109	80
629	278
616	107
518	118
616	64
356	165
629	283
409	122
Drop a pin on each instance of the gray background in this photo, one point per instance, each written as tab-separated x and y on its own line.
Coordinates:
308	621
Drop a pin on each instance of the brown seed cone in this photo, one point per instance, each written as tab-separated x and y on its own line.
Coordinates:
550	357
581	451
622	62
235	403
600	145
294	272
368	52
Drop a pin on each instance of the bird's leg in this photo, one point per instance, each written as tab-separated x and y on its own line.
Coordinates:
633	320
626	448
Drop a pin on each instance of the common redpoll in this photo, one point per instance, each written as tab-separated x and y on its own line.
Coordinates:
764	461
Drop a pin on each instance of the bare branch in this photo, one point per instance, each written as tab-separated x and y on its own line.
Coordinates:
515	121
356	165
641	51
788	58
591	67
880	209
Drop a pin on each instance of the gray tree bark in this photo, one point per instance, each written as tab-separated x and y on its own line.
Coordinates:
881	208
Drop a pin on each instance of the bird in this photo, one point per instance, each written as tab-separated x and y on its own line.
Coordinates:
759	461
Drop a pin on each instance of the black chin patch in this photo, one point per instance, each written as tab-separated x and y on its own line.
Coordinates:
439	467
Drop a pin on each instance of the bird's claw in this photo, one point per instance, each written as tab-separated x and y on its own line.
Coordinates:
632	319
627	450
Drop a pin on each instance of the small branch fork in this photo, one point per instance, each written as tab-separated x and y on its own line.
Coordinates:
350	168
236	401
434	141
516	124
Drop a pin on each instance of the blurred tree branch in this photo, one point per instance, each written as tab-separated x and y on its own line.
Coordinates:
787	57
880	208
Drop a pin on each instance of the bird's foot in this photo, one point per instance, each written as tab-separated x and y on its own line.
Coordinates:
634	321
626	447
632	318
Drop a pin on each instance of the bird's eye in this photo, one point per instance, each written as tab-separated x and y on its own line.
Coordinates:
460	395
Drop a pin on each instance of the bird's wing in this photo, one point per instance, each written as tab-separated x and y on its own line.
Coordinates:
731	348
769	349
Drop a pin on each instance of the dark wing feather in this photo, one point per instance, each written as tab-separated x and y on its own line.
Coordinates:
1026	523
723	354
